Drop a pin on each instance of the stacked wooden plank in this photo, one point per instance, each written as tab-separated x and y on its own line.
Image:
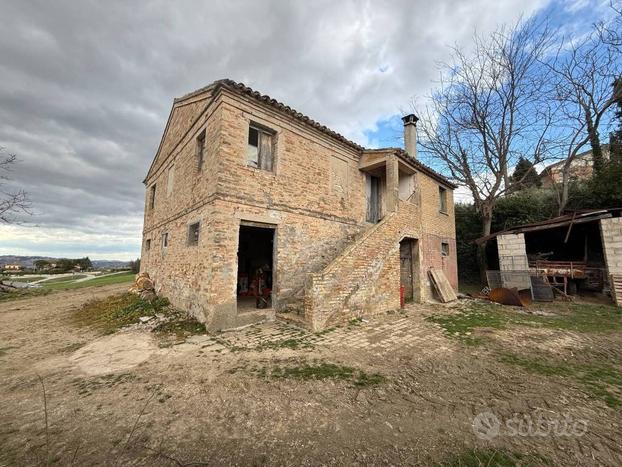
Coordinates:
443	288
616	288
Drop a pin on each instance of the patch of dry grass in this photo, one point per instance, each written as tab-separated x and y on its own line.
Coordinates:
116	311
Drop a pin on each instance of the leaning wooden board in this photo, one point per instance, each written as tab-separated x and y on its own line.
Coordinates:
443	288
616	288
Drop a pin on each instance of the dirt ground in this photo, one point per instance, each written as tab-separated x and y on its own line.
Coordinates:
130	399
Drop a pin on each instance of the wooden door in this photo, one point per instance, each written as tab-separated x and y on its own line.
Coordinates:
406	267
373	199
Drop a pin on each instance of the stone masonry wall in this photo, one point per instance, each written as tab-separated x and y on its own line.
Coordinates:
611	233
303	178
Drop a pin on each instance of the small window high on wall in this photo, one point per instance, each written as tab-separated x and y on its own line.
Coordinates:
200	150
260	148
193	233
152	195
442	194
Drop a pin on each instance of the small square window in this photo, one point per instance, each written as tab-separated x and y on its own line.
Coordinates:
165	240
444	249
442	194
148	244
152	195
260	148
200	150
193	233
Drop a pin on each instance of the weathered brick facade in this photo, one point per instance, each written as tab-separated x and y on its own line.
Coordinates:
329	263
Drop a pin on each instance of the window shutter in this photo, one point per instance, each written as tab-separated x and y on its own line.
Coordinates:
265	151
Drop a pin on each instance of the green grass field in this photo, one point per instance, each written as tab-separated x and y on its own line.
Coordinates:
63	279
46	288
24	279
99	281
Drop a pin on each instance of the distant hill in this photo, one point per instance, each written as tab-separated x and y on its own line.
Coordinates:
27	261
112	264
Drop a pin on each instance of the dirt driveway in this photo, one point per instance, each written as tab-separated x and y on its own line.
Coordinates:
397	389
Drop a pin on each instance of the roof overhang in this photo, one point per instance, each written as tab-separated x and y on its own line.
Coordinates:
561	221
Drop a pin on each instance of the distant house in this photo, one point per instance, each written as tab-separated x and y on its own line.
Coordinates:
12	267
581	168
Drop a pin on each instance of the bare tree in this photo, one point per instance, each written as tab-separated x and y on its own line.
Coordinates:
584	73
610	32
11	202
488	111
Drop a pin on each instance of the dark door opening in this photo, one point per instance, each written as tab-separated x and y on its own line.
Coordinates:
255	267
409	268
373	199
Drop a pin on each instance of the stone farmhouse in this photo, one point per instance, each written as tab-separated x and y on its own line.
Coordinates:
253	210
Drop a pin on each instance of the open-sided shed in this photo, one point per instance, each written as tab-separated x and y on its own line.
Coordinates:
576	252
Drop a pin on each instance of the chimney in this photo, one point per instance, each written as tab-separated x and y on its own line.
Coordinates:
410	134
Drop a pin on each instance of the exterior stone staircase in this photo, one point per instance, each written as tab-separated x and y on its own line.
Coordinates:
365	276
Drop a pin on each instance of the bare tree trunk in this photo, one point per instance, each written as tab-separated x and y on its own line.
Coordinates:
482	260
597	153
563	196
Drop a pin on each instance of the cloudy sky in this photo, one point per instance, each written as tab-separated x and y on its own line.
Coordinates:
86	87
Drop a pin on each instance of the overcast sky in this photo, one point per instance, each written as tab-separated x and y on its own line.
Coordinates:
86	88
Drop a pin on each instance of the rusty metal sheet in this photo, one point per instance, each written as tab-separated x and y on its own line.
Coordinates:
510	296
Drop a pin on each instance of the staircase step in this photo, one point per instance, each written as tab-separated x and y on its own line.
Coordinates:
293	319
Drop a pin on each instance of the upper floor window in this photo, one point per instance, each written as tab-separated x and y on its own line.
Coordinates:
170	180
193	233
444	249
148	244
442	194
152	195
260	148
165	240
200	150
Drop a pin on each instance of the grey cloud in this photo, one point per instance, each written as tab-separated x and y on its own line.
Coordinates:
86	86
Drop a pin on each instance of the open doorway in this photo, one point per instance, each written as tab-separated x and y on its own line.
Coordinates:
255	267
409	269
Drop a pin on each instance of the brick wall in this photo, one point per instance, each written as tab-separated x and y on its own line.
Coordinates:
611	233
512	252
436	228
513	257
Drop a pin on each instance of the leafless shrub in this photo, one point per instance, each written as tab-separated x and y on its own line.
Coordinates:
11	202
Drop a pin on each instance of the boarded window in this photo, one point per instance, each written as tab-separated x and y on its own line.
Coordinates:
444	249
152	196
165	240
442	194
148	244
260	148
170	180
193	233
200	150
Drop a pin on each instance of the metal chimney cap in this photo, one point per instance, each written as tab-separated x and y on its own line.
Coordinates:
410	119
